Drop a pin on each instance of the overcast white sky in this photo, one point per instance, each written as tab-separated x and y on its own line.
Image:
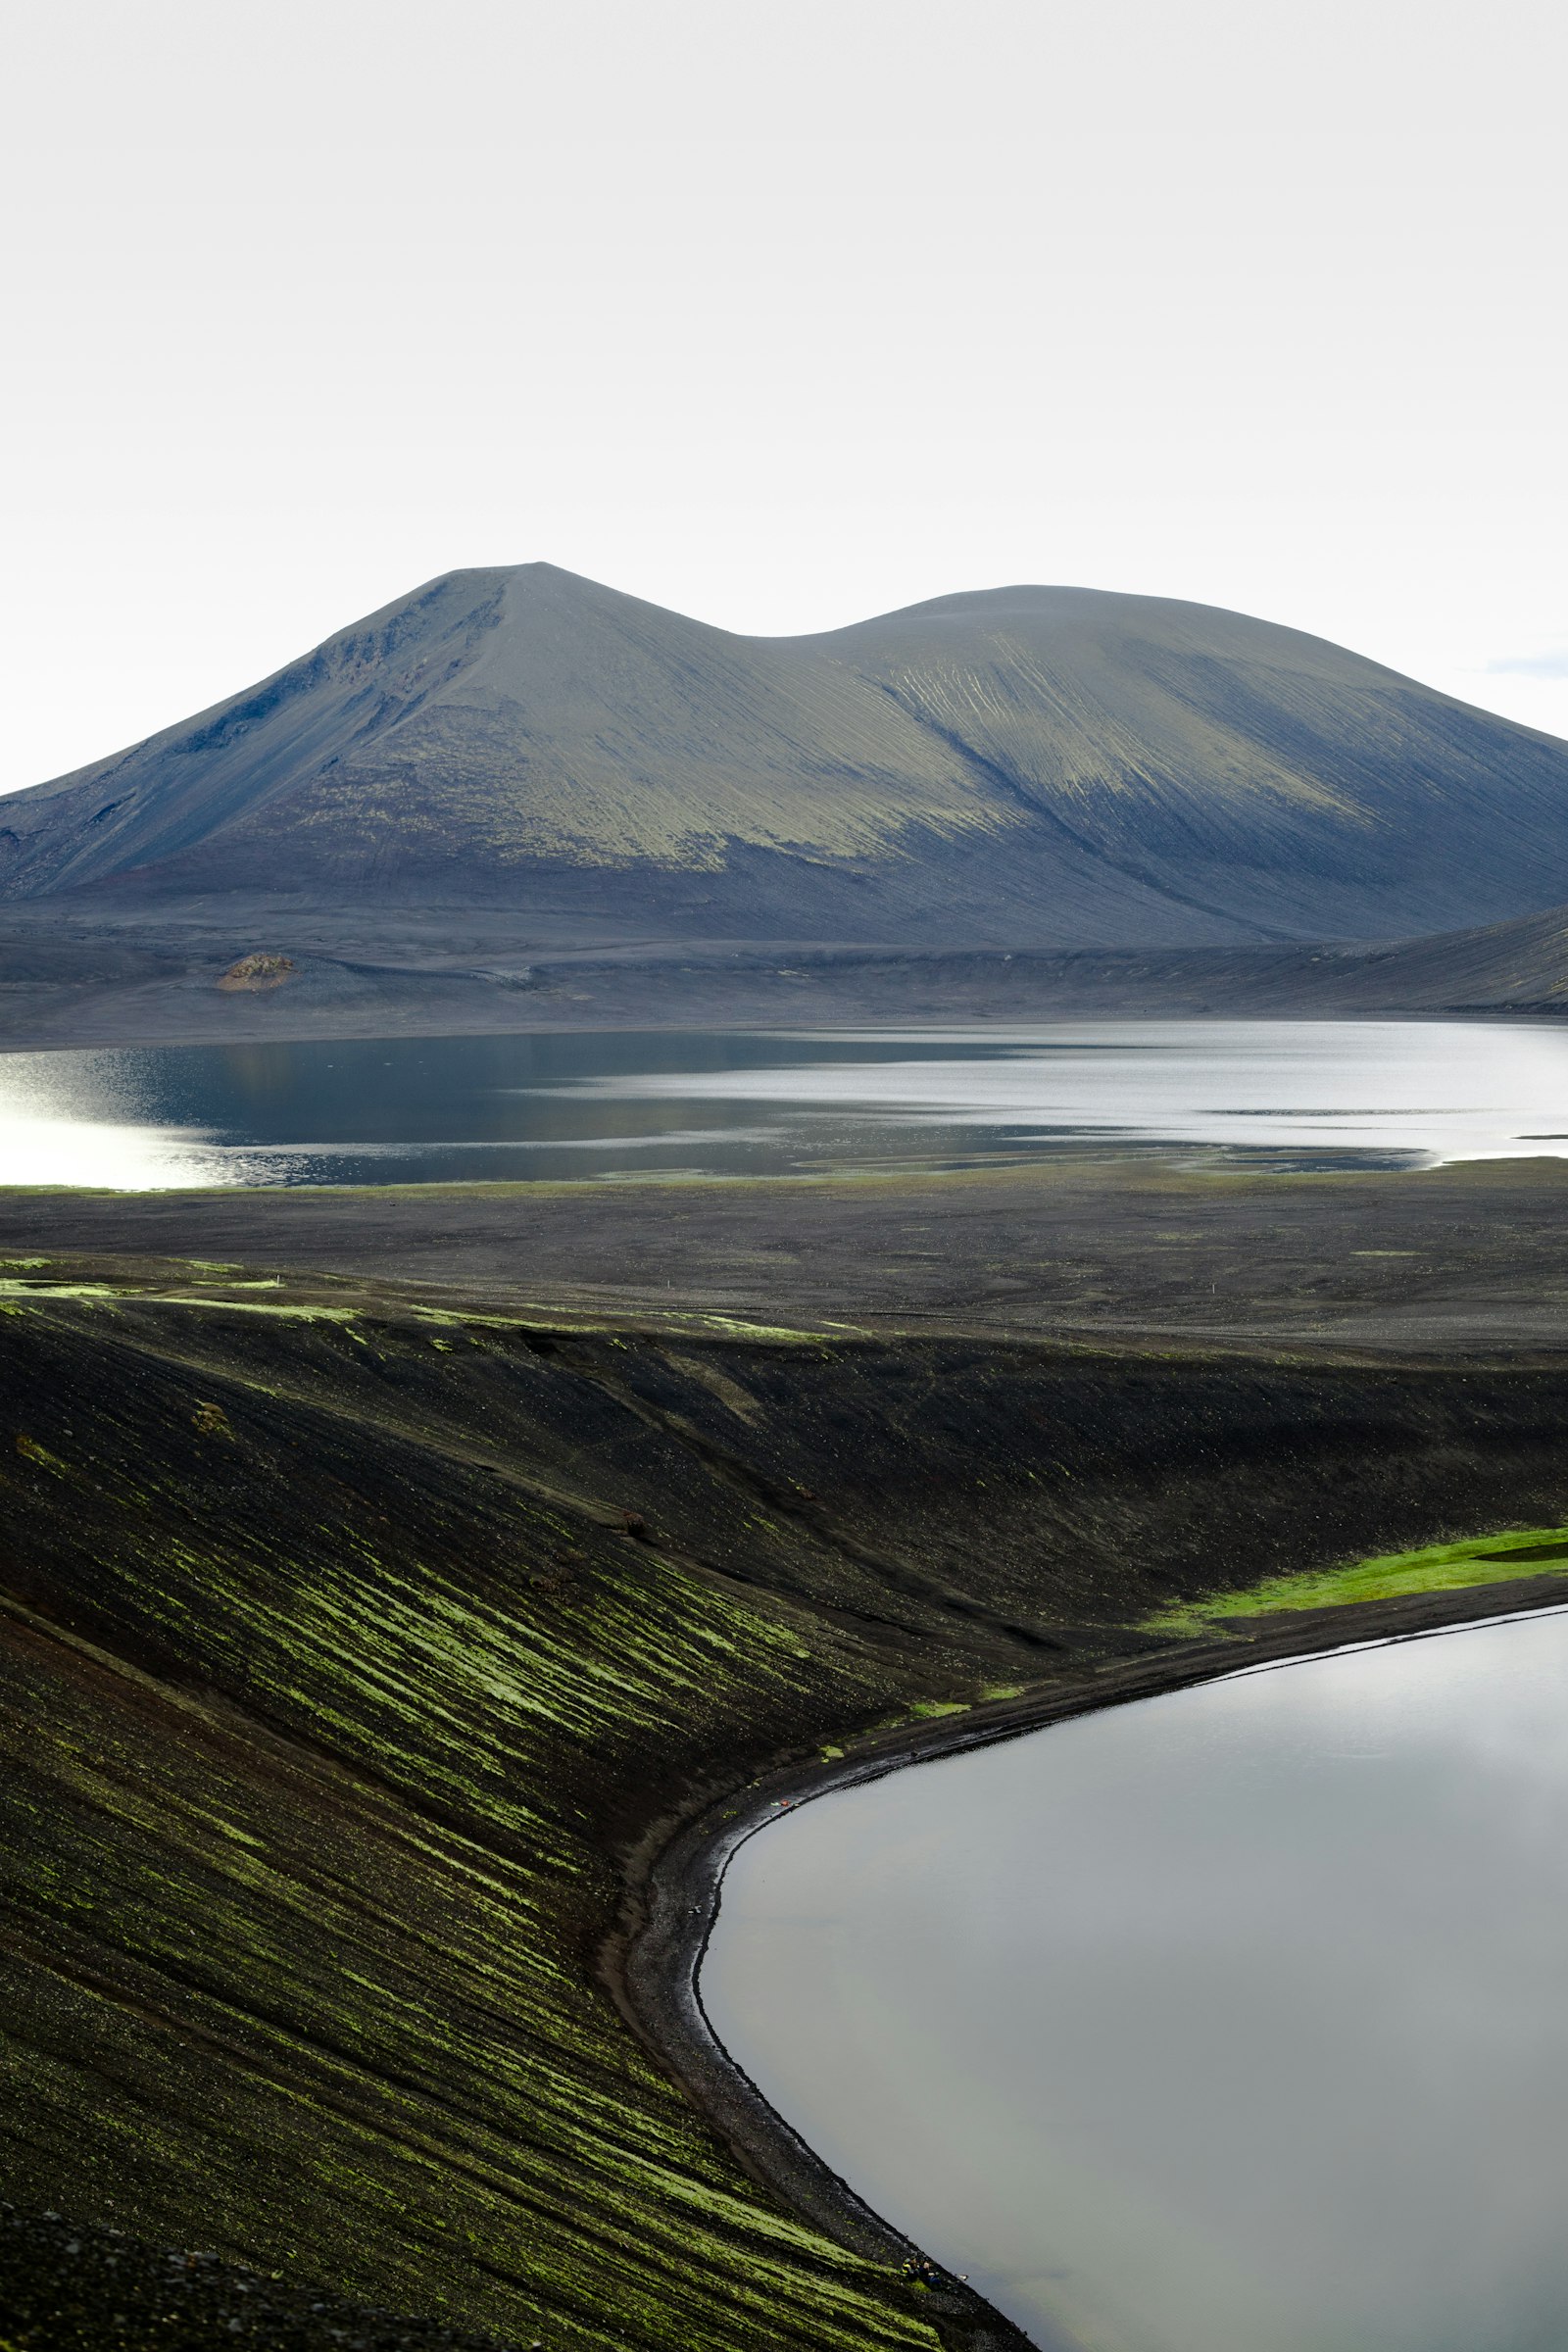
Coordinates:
780	314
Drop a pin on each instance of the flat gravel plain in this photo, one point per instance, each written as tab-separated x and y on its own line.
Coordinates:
1158	1246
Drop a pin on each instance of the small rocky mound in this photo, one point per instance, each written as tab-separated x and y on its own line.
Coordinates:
253	973
64	2288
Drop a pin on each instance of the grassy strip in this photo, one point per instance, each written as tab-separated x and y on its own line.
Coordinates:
1495	1559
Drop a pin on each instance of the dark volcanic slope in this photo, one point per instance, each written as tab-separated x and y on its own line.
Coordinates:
1044	766
352	1654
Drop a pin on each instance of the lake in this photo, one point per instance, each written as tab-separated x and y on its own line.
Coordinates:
1231	2021
733	1104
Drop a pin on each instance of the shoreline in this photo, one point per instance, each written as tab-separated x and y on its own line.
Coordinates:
1462	1261
134	1029
674	1884
86	979
467	1645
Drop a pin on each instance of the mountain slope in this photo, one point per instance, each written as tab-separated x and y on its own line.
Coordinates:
1050	766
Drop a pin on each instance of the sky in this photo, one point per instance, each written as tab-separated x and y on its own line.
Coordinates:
778	312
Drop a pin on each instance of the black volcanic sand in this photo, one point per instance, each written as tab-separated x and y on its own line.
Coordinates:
89	974
380	1670
74	2288
1151	1247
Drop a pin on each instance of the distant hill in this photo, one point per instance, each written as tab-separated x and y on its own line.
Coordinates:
1519	967
1044	766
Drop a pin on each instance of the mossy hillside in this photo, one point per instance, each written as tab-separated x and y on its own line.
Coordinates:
345	1660
299	1876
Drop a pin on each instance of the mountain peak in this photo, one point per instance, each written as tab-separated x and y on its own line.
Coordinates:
1031	764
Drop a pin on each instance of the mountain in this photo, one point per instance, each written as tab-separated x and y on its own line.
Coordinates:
1045	766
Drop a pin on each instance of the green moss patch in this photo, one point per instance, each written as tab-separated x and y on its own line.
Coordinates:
1478	1561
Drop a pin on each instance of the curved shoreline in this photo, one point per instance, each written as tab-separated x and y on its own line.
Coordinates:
674	1884
435	1626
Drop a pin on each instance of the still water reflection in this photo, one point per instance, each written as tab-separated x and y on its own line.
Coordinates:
1233	2020
716	1102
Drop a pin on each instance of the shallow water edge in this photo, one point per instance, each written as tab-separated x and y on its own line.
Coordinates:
674	1884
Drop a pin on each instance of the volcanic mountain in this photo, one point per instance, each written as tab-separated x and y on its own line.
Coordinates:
1039	767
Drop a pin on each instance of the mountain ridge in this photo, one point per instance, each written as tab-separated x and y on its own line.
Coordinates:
1049	766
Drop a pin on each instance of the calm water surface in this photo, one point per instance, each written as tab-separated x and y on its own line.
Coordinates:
1233	2020
712	1103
